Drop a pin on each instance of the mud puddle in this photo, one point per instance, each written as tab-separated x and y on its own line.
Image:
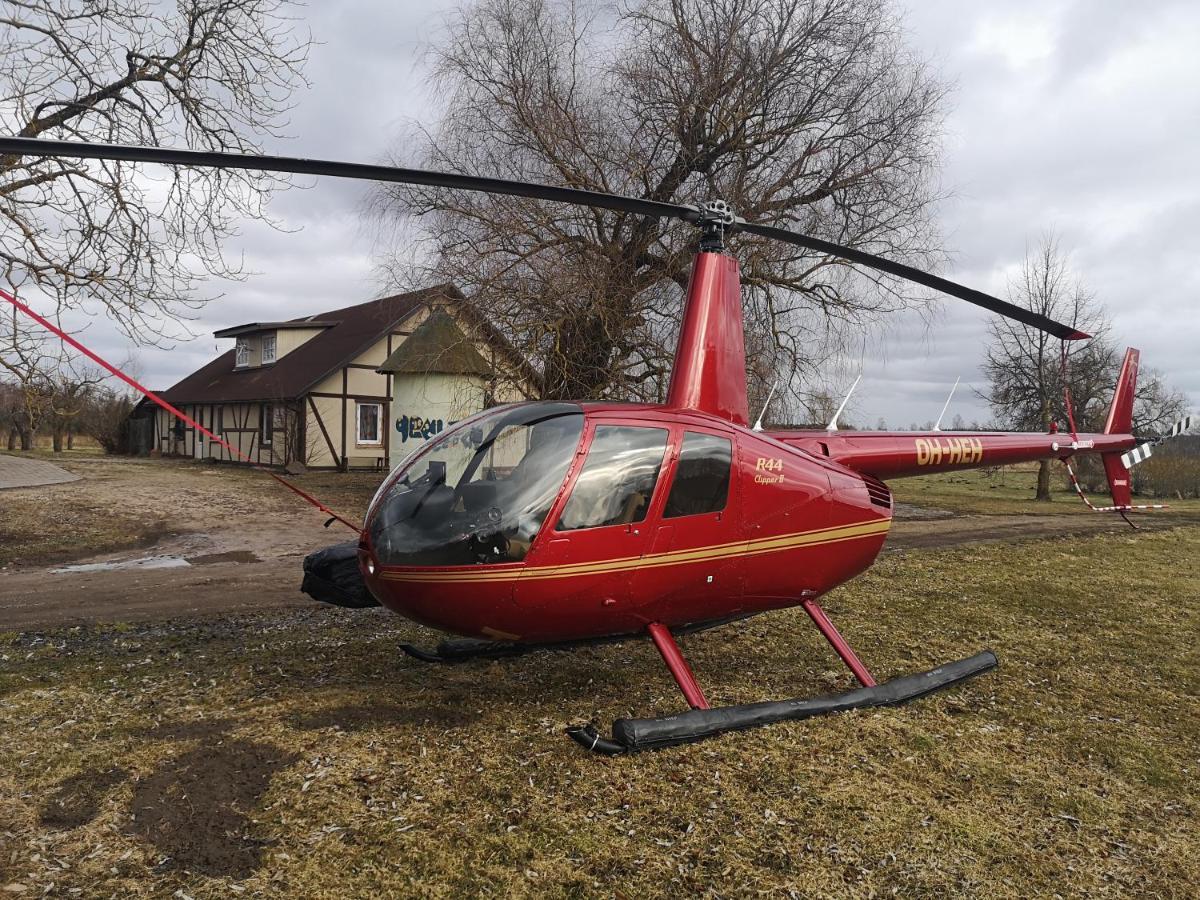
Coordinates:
159	562
116	565
229	556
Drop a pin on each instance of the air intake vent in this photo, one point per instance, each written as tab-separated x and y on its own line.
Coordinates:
880	495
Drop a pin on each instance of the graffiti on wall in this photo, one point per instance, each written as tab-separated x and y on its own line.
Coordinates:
418	428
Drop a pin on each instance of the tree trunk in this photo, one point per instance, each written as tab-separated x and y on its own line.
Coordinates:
581	370
26	439
12	438
57	438
70	440
1043	481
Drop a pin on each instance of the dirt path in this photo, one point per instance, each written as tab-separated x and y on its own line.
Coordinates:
220	540
223	541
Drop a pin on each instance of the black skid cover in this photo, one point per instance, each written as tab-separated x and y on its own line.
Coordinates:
630	735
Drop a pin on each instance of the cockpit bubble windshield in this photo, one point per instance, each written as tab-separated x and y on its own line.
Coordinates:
480	492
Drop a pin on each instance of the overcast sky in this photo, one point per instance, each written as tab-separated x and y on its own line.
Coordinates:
1081	116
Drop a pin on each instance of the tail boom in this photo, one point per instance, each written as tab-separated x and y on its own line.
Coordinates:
901	454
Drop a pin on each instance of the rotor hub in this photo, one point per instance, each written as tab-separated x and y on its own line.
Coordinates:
716	217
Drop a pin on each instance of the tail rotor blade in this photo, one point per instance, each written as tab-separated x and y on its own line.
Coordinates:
1183	425
1137	455
1144	451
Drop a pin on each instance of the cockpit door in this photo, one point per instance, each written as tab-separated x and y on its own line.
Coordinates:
692	570
582	564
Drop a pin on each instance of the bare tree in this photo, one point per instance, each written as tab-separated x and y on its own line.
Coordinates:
1156	405
26	361
1024	366
10	412
105	417
209	74
1027	389
70	388
810	114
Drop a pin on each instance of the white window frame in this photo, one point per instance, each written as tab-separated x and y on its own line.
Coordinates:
267	424
269	340
241	353
358	437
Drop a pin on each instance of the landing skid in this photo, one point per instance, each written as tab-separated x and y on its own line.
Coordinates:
631	735
467	648
701	721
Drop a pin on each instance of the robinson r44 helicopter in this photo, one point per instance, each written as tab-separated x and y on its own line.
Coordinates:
555	524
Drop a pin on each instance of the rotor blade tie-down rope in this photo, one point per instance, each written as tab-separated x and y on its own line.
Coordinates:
1067	395
150	395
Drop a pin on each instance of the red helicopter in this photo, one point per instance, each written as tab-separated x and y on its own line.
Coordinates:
555	524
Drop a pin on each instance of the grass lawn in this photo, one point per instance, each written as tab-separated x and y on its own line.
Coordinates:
1005	491
300	754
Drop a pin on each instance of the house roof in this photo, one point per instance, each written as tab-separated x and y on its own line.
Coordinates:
310	322
354	330
497	339
440	346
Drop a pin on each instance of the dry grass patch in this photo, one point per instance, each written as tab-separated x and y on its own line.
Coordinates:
1005	491
302	755
52	524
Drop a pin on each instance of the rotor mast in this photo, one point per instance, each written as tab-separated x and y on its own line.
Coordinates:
709	373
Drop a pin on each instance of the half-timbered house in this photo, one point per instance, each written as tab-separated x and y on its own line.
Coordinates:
310	391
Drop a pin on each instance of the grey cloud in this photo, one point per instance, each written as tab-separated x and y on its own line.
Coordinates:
1093	138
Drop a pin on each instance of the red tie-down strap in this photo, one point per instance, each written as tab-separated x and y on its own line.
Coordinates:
179	414
1066	380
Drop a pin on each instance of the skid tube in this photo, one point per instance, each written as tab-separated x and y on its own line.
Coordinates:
632	735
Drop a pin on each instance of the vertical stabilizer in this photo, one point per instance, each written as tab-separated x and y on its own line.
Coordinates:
1120	416
1120	421
1118	480
710	362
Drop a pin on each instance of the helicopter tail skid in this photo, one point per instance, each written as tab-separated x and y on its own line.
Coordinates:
703	721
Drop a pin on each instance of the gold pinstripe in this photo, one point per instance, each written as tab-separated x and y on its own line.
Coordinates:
673	558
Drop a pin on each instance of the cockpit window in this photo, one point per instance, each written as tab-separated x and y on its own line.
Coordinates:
701	476
617	480
481	492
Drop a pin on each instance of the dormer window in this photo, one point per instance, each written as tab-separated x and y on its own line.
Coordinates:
241	353
268	349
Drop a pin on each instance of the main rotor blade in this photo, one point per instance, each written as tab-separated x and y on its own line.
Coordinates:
17	146
987	301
